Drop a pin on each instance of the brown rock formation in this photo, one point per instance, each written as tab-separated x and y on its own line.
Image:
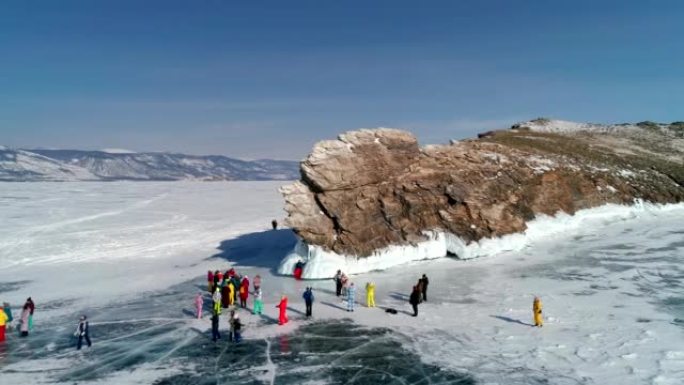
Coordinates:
373	188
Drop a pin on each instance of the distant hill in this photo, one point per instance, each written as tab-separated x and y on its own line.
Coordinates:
19	165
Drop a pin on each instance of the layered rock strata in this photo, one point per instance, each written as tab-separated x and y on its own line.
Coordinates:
371	189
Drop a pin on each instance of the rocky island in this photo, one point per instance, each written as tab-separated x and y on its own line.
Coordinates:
376	194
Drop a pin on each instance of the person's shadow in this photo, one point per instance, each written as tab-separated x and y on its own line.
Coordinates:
399	296
512	320
333	305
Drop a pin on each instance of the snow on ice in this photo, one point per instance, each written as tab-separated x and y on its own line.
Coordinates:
133	255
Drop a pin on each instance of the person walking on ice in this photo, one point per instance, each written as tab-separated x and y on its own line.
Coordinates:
370	294
414	300
308	300
537	312
199	304
82	331
351	297
424	287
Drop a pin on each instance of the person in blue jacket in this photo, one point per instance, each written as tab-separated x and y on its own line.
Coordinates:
308	300
351	297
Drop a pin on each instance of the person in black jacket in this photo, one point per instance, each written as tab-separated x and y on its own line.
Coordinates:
308	300
424	286
338	283
215	335
414	299
237	328
82	332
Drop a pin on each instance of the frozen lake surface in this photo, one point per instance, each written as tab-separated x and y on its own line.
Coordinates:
133	255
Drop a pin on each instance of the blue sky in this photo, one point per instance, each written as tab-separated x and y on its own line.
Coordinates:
257	79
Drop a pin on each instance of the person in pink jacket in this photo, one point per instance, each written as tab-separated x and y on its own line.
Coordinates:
199	304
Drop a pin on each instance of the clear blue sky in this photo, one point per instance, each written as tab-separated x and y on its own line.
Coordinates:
259	79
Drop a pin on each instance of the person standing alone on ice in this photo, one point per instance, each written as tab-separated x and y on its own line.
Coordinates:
537	312
308	300
82	332
424	287
351	297
282	317
338	282
199	303
414	300
370	294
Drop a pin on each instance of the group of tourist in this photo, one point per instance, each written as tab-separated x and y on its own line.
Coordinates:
230	288
227	289
25	324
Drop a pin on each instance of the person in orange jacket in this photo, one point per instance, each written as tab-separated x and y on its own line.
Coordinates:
282	318
537	312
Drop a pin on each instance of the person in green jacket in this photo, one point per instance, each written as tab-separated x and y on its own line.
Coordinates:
8	312
258	301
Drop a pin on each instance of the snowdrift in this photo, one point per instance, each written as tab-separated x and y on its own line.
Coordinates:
321	263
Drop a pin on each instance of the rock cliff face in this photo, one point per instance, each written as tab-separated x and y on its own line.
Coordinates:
370	189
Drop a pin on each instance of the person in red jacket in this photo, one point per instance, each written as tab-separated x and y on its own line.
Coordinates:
282	318
244	291
298	270
210	281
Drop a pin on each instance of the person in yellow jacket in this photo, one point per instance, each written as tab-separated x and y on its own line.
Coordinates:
231	298
3	322
537	312
216	297
370	294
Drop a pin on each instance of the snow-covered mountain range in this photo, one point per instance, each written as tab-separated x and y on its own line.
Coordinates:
18	165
